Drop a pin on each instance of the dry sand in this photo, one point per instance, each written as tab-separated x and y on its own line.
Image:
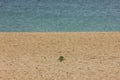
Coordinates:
34	56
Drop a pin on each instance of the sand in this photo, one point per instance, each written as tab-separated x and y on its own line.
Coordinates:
34	56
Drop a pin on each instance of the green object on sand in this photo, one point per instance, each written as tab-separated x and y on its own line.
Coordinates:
61	58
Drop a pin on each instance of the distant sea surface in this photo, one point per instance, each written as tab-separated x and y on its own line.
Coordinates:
59	15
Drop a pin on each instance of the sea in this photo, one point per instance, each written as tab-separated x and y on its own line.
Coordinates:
59	15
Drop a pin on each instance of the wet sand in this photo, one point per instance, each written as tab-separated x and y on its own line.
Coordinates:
34	56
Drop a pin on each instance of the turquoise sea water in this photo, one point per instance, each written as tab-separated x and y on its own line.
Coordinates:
59	15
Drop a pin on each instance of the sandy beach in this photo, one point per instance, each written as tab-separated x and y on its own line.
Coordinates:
34	56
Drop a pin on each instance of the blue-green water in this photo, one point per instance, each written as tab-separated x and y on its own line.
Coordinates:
59	15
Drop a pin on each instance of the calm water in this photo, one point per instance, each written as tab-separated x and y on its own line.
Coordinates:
59	15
